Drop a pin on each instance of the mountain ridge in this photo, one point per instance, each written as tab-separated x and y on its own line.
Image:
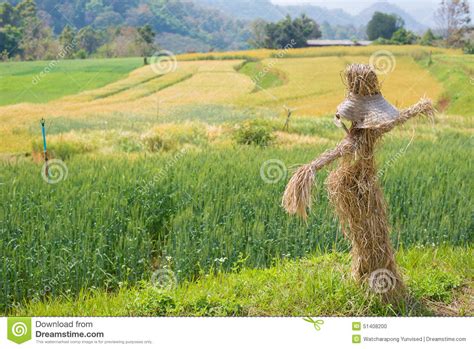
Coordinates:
264	9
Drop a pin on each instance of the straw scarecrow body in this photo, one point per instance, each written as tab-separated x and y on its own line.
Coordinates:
353	186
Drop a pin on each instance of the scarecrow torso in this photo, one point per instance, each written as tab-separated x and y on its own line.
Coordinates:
354	184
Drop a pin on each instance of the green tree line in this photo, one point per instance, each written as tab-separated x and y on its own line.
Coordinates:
40	29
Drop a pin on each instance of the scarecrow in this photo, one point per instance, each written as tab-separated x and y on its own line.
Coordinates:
353	187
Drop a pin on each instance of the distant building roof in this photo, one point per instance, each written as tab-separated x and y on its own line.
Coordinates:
338	43
363	42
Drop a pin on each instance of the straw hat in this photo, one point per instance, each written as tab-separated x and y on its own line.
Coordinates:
366	111
364	105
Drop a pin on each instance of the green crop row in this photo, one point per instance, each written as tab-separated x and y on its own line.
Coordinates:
116	219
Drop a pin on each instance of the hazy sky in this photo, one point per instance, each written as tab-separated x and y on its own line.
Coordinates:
421	10
355	6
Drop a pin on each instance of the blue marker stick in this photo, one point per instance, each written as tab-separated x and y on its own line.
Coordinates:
44	135
43	131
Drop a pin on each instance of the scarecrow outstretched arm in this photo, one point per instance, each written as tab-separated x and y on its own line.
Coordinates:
423	107
297	196
346	146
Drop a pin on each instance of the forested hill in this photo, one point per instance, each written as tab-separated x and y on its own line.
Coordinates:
187	24
38	29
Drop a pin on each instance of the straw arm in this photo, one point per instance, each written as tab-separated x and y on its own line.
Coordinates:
423	107
297	196
346	146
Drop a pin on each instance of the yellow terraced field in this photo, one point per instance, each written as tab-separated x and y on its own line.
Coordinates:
311	86
318	52
314	86
209	82
208	86
136	77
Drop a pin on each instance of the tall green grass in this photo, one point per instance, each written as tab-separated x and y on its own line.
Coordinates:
317	285
114	219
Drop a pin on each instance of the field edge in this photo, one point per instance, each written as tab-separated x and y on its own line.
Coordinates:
440	282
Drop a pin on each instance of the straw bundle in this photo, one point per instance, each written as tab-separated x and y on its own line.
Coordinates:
361	80
353	187
297	197
355	194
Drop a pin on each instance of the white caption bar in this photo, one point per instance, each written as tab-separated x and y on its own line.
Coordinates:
237	332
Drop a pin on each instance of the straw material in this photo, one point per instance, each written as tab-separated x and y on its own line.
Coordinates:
353	186
297	197
364	105
355	194
360	79
367	111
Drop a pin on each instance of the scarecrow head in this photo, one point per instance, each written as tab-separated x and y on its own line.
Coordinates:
364	105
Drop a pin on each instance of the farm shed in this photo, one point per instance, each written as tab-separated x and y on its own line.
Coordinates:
318	43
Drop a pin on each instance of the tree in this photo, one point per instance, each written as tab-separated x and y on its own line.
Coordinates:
23	33
88	39
305	28
122	43
453	18
383	25
428	38
30	29
403	37
291	33
145	40
10	31
107	19
27	10
67	39
259	34
9	15
10	37
37	40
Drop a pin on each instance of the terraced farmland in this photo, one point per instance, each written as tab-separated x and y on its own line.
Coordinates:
164	172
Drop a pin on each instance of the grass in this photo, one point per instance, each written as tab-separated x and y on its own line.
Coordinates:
138	84
157	179
457	75
43	81
317	285
263	76
127	222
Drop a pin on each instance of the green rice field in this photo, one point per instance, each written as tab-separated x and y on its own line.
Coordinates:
195	189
